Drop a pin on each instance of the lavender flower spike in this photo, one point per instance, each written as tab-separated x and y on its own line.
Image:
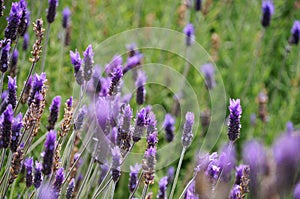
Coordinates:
115	80
38	178
46	192
133	180
140	125
295	31
70	189
16	132
88	63
234	125
187	135
297	191
24	20
12	92
162	194
140	85
116	163
169	127
8	115
49	152
14	20
189	32
267	12
25	42
198	5
149	165
4	60
208	71
28	163
59	178
77	62
79	120
66	17
54	111
37	85
236	192
52	10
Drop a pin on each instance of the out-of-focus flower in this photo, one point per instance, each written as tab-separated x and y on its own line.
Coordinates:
77	62
25	42
52	10
140	87
297	191
295	31
169	127
267	12
139	125
116	163
162	194
208	71
190	34
66	17
16	132
133	180
8	116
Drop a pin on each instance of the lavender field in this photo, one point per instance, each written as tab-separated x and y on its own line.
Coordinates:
187	99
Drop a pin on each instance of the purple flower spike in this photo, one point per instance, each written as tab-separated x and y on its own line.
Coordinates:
133	62
7	115
115	80
152	139
289	127
150	156
213	170
297	191
116	162
208	71
14	20
52	10
79	120
140	125
54	111
49	152
133	180
66	17
14	63
162	194
38	178
234	125
12	92
59	178
25	42
70	102
187	135
70	189
25	19
37	85
4	60
236	192
189	32
169	126
77	62
295	31
141	91
116	61
28	163
241	170
198	5
227	162
88	63
16	132
267	12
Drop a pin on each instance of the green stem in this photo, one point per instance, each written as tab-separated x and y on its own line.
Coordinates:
177	173
145	190
186	187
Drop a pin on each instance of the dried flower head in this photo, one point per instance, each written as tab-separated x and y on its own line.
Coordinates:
37	46
13	63
27	89
162	194
139	125
4	59
77	63
7	115
208	71
16	163
190	34
68	115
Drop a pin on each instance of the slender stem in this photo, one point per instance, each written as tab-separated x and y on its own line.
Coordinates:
31	195
100	191
187	186
3	157
45	48
177	173
145	190
112	191
1	83
23	90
